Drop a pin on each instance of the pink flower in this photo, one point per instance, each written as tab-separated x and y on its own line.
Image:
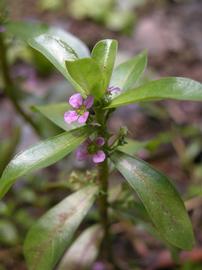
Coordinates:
113	90
80	106
92	149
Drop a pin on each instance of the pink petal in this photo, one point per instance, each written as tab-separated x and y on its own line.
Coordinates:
76	100
70	116
99	156
83	118
88	102
81	152
100	141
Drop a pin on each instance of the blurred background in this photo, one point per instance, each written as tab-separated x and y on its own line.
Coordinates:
171	31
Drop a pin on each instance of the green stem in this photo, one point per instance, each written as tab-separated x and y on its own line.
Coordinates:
9	86
103	207
103	174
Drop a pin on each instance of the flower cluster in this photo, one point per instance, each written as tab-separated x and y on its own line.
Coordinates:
80	113
93	149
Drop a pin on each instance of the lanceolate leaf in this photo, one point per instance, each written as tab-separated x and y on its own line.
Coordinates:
59	46
55	113
55	44
161	200
87	73
51	235
40	156
104	54
83	251
62	46
54	49
166	88
127	74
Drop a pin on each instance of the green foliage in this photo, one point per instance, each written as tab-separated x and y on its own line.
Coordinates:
112	13
166	88
55	44
121	20
127	74
50	4
51	235
92	74
41	155
116	15
88	75
161	200
58	46
104	54
83	8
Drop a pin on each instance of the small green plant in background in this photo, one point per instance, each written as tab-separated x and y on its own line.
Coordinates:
100	88
116	15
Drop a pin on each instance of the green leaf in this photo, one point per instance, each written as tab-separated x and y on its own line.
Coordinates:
59	46
37	34
166	88
55	44
41	155
128	73
83	251
87	73
161	200
55	113
104	54
51	235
